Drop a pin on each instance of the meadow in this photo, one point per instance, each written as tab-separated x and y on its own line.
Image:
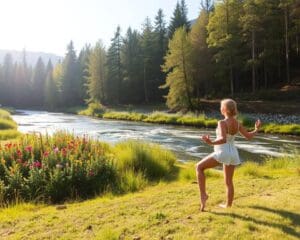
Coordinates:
266	206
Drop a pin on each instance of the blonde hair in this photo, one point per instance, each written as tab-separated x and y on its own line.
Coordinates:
230	107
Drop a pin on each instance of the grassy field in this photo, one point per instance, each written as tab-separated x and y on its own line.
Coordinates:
266	206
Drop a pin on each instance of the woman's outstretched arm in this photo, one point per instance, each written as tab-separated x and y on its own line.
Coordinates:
250	135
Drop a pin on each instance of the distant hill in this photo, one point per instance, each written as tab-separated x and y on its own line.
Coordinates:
31	57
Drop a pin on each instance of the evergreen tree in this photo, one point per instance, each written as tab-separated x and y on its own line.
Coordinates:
51	90
70	86
202	57
161	48
38	82
148	44
97	74
132	62
83	63
178	62
114	69
223	36
179	18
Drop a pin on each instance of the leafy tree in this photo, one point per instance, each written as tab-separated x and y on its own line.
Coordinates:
178	68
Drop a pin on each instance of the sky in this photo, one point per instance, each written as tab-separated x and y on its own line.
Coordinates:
49	25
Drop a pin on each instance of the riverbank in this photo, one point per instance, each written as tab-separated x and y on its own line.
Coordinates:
8	127
266	206
289	126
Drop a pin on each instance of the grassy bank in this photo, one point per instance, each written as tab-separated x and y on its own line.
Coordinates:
97	110
266	206
8	128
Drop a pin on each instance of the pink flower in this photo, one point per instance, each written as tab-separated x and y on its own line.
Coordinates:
56	150
46	154
28	149
37	164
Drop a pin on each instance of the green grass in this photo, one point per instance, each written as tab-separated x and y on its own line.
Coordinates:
7	124
266	206
189	119
8	127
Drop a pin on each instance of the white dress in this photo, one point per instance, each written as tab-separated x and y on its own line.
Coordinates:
226	153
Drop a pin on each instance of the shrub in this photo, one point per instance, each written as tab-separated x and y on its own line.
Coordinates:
9	134
149	159
94	109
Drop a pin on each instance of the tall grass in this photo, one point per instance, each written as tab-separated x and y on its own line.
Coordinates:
8	128
7	124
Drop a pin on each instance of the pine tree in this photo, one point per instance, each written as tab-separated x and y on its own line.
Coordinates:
132	62
202	56
224	38
160	33
83	63
179	18
97	74
114	69
51	90
70	85
177	65
148	44
38	82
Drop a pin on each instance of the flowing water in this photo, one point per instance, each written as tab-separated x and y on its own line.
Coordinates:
184	141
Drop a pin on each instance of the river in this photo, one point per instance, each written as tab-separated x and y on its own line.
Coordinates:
184	141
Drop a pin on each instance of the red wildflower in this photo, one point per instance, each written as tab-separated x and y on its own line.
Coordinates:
28	149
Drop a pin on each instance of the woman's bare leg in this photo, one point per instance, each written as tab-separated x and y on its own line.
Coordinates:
228	175
207	162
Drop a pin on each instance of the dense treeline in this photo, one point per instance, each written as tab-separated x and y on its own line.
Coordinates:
234	46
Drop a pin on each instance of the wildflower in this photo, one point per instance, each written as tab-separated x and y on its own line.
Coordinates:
19	153
19	160
28	149
46	154
56	150
37	164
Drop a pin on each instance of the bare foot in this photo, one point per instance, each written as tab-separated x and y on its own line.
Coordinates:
203	202
223	205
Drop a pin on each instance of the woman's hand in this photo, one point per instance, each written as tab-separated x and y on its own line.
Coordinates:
257	124
206	139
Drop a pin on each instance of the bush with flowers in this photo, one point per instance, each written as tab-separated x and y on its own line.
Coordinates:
64	166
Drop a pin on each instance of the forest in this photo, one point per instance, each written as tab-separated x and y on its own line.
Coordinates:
233	47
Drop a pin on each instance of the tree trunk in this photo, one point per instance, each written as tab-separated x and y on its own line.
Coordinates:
191	107
145	86
286	23
253	62
231	77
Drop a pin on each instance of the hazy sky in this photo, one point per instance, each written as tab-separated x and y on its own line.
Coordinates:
49	25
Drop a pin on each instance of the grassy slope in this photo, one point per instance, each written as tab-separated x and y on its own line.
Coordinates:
265	208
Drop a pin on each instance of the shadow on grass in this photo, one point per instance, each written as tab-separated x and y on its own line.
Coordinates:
286	229
294	217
